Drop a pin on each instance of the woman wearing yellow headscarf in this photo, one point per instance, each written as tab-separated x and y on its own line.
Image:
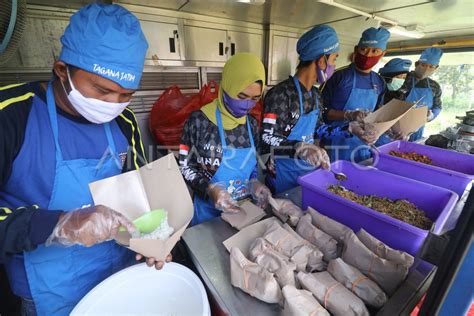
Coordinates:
218	146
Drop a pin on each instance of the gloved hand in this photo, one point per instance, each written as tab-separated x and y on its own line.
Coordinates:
260	193
222	199
397	135
153	262
312	154
431	116
365	131
88	226
355	115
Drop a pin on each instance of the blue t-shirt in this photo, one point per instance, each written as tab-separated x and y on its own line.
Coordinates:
336	91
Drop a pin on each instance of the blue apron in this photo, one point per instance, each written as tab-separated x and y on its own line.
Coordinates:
415	95
353	147
59	277
289	169
235	169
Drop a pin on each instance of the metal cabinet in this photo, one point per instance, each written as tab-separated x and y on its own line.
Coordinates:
205	44
163	40
245	42
283	58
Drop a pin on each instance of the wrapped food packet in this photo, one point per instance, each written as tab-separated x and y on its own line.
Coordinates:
315	256
253	279
258	247
283	269
286	210
332	295
317	237
384	251
331	227
281	240
262	253
385	273
301	303
366	289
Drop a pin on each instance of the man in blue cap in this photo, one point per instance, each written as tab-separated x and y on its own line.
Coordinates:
418	85
353	92
292	113
55	139
393	73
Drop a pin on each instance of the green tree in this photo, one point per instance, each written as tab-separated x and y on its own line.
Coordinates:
459	78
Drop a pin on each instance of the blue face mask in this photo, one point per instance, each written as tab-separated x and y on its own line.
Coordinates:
237	107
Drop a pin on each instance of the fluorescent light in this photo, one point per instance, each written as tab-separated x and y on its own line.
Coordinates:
255	2
403	31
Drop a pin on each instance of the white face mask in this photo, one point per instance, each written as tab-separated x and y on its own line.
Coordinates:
94	110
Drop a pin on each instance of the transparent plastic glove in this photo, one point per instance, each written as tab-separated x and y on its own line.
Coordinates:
222	199
153	262
365	131
397	135
355	115
260	193
314	155
88	226
431	116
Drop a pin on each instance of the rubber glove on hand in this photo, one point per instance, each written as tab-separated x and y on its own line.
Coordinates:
260	193
88	226
222	199
365	131
314	155
355	115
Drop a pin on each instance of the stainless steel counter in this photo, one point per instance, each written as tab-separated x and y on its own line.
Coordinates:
204	244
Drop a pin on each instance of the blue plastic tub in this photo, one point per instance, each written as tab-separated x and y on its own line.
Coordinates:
437	202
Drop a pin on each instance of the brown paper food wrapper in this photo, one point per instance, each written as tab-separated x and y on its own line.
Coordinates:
332	295
281	267
262	253
317	237
286	210
366	289
253	279
249	214
331	227
315	256
387	274
281	240
301	303
384	251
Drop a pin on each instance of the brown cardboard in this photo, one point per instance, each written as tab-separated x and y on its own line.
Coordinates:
411	121
249	214
157	185
246	236
389	114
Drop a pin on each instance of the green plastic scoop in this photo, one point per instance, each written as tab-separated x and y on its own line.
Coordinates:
148	222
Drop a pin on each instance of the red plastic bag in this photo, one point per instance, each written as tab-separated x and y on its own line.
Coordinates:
172	109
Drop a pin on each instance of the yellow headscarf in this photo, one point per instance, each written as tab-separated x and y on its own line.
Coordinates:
240	71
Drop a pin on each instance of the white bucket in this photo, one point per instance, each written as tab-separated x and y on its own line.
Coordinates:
141	290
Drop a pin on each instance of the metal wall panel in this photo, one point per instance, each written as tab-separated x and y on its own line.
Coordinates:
245	42
204	44
163	40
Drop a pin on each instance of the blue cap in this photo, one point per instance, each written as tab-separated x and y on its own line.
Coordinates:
320	40
107	40
431	56
396	65
373	37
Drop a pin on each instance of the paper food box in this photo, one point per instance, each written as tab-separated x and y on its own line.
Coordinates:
389	114
157	185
